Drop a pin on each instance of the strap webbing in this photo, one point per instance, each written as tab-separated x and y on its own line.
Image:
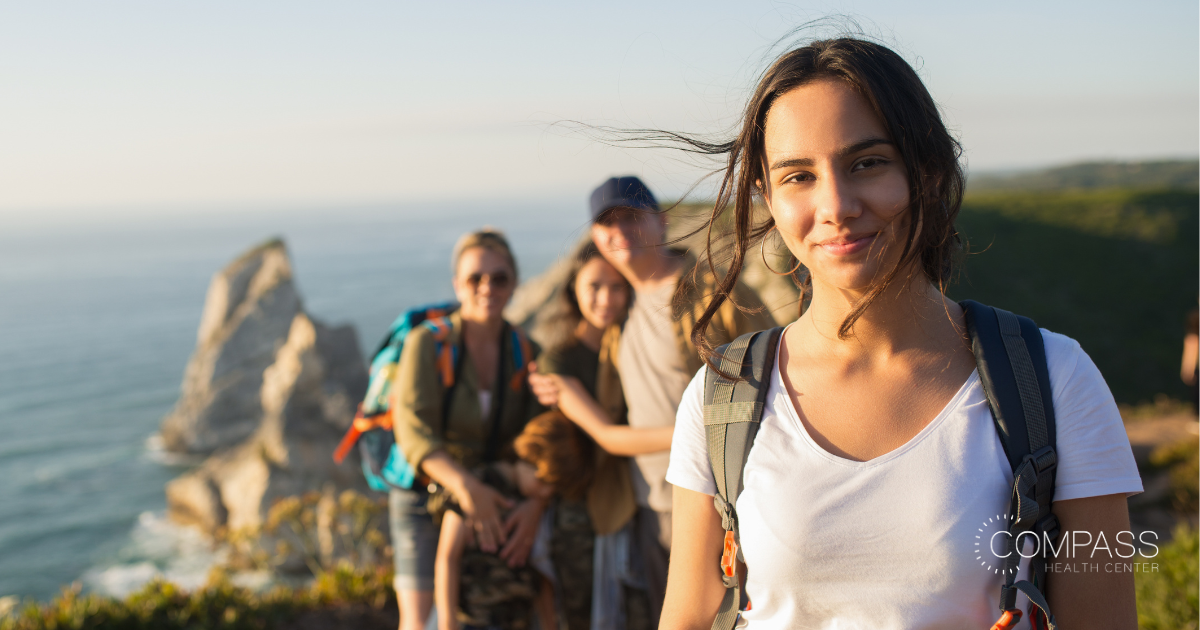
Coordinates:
1027	385
732	412
1011	359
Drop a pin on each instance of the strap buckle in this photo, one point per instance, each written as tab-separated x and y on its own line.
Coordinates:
729	559
1045	459
1008	620
726	512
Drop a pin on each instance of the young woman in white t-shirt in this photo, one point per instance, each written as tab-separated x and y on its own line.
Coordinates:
877	464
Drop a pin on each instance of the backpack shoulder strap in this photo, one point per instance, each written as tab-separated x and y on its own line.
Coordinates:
447	354
732	412
1011	359
522	355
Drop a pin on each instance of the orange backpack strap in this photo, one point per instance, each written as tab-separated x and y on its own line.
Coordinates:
447	354
361	425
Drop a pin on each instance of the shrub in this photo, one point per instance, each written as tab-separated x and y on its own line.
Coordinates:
220	604
1167	599
338	538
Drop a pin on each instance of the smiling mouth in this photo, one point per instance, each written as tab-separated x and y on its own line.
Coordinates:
848	246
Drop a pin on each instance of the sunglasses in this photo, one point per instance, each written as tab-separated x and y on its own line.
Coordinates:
499	280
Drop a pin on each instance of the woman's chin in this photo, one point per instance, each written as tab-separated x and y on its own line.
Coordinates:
482	313
601	322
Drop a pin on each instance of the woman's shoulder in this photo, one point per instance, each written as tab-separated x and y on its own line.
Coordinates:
1064	356
1093	449
421	342
535	349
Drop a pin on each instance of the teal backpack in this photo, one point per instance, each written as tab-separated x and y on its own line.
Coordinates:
383	464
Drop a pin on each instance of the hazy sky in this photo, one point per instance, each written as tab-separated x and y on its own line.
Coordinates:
112	105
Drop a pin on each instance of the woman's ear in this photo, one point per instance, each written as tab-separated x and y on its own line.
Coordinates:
761	193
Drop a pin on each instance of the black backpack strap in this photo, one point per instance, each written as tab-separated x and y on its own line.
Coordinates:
1011	359
732	412
456	355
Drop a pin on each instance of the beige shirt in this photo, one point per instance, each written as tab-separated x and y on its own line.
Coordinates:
654	377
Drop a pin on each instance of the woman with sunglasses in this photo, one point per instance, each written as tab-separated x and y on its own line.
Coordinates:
446	432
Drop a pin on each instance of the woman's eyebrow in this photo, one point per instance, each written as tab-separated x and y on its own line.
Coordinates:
843	152
861	145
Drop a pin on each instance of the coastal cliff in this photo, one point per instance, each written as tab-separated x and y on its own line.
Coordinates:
267	394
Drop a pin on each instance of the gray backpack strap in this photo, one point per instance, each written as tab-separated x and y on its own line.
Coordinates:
732	412
1012	366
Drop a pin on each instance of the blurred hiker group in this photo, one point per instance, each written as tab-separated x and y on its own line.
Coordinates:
539	474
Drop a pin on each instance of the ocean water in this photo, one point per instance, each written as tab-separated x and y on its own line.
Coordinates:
97	321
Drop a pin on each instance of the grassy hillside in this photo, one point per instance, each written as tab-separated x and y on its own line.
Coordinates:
1161	174
1116	269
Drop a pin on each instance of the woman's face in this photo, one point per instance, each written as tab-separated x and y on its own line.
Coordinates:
483	284
601	292
836	185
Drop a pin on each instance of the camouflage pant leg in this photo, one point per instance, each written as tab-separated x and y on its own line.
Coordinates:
492	594
637	609
572	545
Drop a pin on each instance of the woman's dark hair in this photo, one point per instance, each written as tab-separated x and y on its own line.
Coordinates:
561	324
908	112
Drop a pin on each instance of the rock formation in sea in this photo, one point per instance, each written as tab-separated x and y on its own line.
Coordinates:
267	394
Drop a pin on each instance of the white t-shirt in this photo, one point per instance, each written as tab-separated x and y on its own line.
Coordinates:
889	543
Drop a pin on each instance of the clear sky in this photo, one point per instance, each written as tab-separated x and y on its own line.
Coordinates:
116	104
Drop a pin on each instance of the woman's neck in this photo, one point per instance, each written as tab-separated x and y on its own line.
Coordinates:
589	335
479	332
905	316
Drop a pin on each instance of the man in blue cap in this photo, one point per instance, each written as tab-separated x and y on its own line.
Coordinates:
656	356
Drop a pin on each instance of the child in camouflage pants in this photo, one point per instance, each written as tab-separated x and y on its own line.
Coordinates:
477	590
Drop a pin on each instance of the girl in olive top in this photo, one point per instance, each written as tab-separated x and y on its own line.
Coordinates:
594	300
444	437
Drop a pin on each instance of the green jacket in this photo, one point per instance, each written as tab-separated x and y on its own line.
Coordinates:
419	397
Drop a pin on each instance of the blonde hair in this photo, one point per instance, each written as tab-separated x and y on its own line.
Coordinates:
488	238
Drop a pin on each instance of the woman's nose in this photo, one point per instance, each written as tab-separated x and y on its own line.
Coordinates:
835	200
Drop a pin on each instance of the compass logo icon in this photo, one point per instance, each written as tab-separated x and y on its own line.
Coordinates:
991	543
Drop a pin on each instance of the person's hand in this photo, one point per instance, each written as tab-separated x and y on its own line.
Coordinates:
572	396
522	526
544	386
481	505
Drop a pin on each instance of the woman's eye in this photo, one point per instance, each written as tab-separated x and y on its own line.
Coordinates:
798	177
868	163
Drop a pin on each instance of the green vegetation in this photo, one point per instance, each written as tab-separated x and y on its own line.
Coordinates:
337	539
1181	461
164	606
1167	599
1115	269
1162	174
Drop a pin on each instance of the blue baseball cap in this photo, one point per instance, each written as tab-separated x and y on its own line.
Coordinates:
622	192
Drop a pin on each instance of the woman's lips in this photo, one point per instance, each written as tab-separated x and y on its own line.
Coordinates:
848	246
